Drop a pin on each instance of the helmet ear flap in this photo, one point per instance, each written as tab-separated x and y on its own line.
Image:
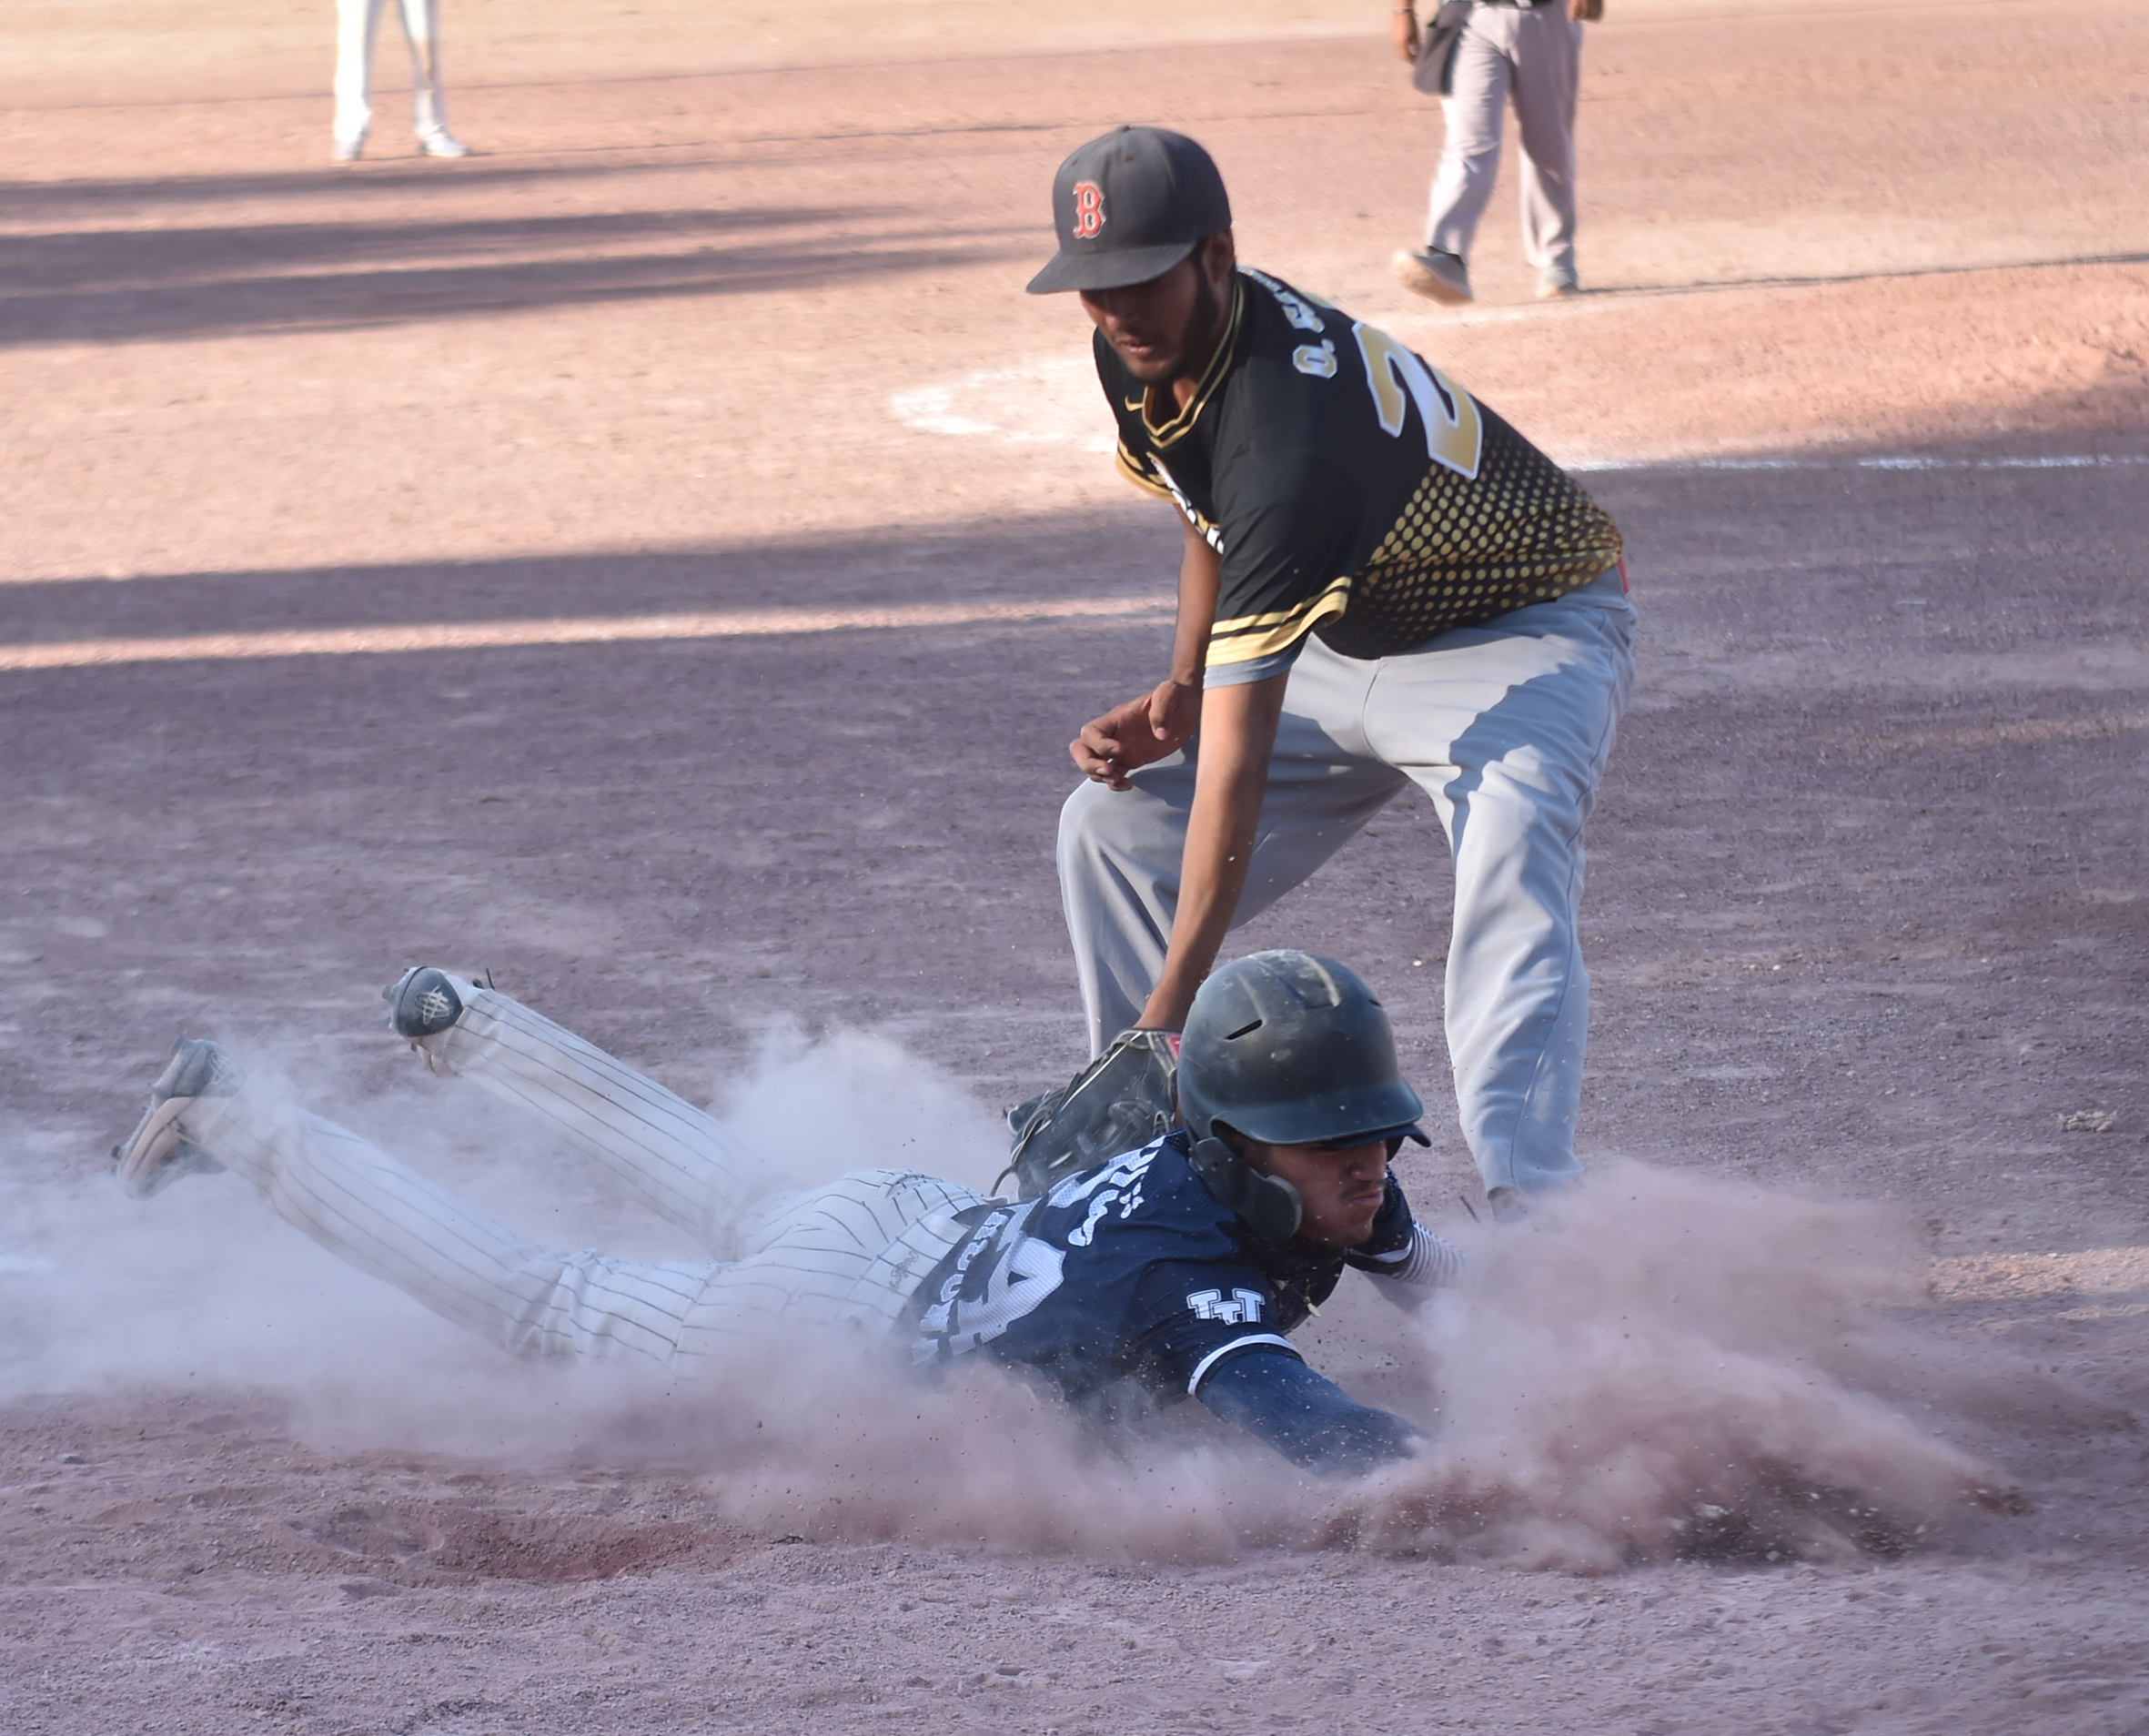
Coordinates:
1268	1204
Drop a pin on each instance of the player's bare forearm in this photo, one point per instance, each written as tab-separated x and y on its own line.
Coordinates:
1237	740
1201	576
1162	721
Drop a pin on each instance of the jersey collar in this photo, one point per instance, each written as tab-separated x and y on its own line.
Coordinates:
1162	434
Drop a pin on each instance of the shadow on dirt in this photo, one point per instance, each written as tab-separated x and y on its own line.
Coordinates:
1108	552
58	202
129	285
1709	286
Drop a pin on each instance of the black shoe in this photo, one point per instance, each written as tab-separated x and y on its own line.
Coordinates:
422	1003
156	1153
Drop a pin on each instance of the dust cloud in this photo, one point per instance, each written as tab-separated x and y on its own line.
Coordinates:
1662	1365
1673	1365
202	1285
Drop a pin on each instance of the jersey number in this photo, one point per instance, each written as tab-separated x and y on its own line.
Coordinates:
1397	379
1026	1274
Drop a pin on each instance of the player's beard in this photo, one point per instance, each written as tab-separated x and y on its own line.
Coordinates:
1199	345
1189	357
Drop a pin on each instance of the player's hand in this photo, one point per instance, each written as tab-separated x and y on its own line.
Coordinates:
1406	23
1138	733
1174	713
1585	11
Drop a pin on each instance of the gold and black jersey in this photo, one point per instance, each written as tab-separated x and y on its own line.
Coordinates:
1353	489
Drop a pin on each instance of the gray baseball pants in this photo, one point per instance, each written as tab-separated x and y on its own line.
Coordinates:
1506	727
1534	58
849	1252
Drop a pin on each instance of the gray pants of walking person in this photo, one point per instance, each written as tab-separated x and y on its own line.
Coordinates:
1531	56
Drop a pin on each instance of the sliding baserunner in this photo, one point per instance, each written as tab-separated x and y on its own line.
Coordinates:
1183	1266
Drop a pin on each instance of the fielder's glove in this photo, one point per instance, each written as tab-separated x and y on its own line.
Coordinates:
1118	1103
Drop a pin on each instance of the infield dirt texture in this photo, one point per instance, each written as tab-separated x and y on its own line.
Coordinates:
386	577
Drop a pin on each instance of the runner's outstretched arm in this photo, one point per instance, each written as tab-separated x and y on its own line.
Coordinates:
1305	1415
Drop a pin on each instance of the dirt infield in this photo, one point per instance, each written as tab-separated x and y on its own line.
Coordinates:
662	557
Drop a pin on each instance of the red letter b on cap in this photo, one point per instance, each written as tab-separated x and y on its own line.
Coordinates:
1089	209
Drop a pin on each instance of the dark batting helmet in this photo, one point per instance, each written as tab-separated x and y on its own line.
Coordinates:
1292	1049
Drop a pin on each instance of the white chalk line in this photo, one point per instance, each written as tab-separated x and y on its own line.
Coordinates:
1051	402
496	635
1900	461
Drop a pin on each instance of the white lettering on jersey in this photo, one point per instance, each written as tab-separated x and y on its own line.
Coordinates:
934	1320
1295	307
1319	360
1242	1309
1117	1183
1029	1272
1083	1233
1209	534
1024	1271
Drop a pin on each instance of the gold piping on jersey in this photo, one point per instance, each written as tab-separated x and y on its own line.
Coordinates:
1159	481
1140	478
1251	637
1212	377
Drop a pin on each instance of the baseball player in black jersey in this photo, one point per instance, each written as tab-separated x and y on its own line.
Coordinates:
1180	1267
1383	584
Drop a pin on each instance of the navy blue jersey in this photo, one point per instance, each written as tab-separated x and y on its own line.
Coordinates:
1129	1269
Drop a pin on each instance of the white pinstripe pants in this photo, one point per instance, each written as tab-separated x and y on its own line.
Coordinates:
849	1252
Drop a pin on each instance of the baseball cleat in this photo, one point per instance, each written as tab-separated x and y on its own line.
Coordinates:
157	1153
443	143
1555	281
348	150
422	1003
1442	277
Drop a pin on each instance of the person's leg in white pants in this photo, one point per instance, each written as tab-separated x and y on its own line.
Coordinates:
428	119
357	24
1120	849
356	21
677	1159
1508	727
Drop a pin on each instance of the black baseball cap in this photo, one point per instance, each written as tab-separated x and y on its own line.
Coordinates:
1128	207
